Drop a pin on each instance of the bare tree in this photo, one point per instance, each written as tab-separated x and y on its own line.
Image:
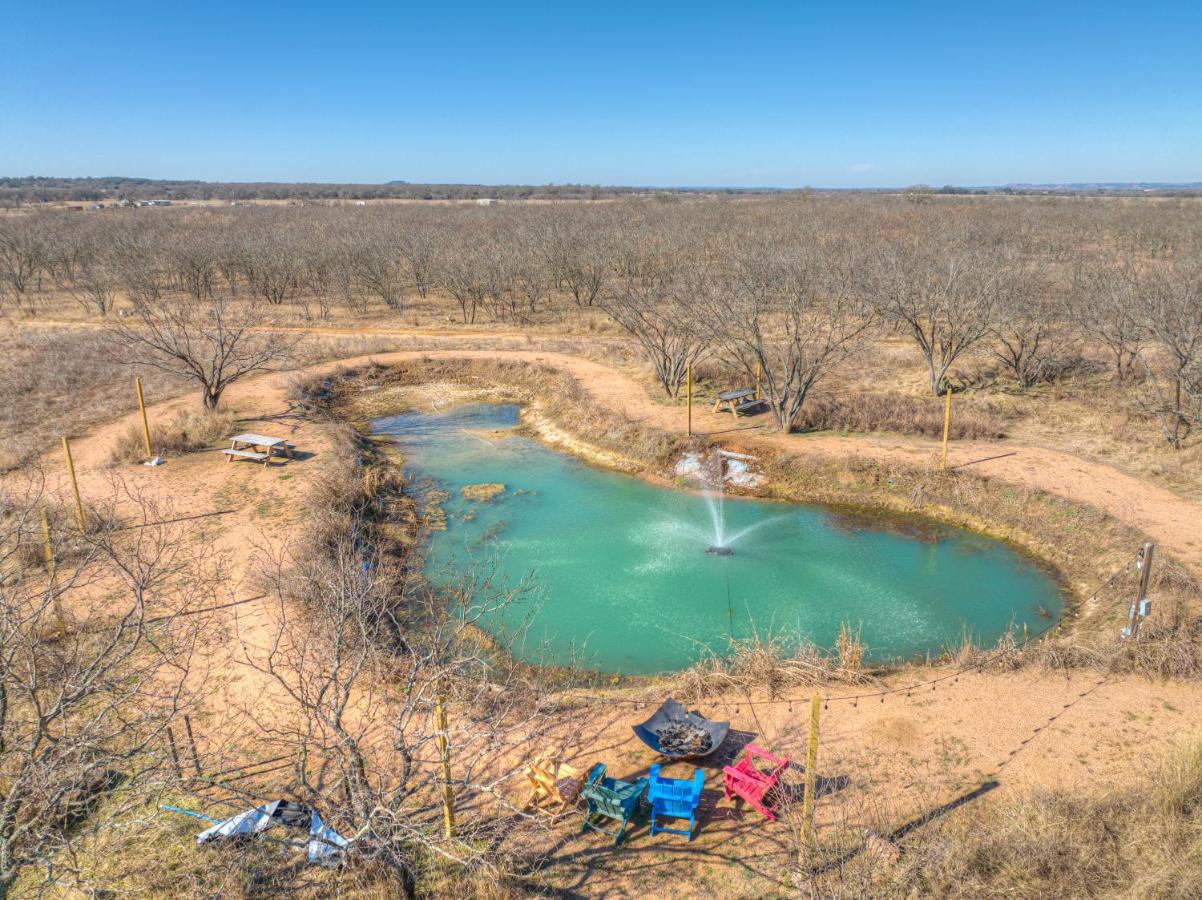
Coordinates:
460	273
1171	309
141	266
418	244
191	261
578	254
530	283
498	266
274	263
361	657
80	265
24	257
790	315
93	283
1028	331
1105	307
214	342
943	295
1192	388
86	696
378	266
653	302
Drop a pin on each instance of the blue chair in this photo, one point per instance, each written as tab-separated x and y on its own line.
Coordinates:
674	798
611	798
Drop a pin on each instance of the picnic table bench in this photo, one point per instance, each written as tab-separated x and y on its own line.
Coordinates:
246	446
737	401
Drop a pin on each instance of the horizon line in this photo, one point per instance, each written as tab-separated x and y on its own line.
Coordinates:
636	187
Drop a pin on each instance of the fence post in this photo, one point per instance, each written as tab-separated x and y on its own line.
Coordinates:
947	425
192	745
179	772
759	375
1140	610
689	396
47	548
51	571
145	423
444	754
807	811
74	484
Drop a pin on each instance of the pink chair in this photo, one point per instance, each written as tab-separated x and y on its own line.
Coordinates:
748	782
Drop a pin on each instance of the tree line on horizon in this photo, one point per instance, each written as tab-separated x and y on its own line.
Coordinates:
28	190
790	286
18	191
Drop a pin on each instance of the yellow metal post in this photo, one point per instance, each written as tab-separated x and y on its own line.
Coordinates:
807	812
74	484
689	396
142	408
444	753
947	426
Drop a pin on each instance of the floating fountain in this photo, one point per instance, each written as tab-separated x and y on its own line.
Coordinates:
721	542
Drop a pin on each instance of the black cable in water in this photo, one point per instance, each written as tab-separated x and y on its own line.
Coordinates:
730	613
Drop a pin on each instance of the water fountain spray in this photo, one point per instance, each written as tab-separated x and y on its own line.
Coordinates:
720	547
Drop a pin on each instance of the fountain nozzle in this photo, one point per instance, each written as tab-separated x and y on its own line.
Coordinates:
719	551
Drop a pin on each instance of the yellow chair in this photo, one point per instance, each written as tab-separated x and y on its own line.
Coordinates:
552	780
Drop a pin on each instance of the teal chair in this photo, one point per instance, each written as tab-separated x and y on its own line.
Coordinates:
610	799
674	798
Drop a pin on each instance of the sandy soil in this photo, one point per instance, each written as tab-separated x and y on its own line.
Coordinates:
902	758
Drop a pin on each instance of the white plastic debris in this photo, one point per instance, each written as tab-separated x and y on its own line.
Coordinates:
325	847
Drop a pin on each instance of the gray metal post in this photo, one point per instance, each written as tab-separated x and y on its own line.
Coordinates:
1145	573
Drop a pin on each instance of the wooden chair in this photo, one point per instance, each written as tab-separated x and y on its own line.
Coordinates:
674	798
747	781
552	780
611	798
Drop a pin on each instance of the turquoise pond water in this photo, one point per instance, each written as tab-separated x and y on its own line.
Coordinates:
622	582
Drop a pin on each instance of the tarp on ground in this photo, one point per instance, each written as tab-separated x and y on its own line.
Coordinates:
325	846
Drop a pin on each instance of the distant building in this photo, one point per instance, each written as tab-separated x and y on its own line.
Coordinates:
487	201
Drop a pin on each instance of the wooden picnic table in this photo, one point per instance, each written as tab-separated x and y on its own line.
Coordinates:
736	401
246	446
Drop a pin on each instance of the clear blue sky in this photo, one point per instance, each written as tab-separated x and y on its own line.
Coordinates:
826	94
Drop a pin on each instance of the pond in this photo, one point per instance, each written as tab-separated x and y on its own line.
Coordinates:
623	582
